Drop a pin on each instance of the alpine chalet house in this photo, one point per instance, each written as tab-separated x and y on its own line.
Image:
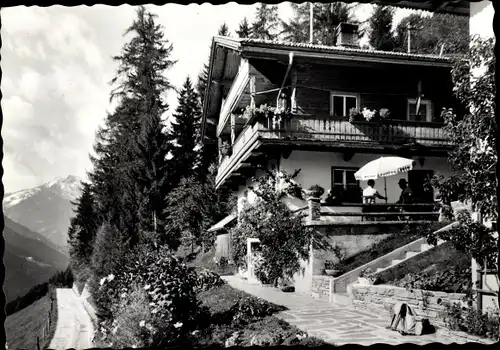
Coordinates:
328	110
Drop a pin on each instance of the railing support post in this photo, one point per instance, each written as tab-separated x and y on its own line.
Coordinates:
314	208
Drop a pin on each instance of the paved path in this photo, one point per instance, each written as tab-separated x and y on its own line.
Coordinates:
74	328
340	323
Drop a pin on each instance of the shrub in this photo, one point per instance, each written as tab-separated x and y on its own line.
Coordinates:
170	287
208	280
249	308
316	191
472	321
284	240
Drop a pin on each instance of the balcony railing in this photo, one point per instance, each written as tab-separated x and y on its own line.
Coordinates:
387	132
339	130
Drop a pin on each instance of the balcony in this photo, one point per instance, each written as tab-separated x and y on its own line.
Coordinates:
310	130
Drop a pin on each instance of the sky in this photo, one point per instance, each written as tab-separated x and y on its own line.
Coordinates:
57	64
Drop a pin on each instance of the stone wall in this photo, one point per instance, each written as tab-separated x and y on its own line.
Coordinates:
425	303
321	285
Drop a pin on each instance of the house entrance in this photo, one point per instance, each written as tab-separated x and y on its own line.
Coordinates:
419	182
253	252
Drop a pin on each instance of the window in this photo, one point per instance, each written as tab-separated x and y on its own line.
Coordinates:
343	181
425	114
341	103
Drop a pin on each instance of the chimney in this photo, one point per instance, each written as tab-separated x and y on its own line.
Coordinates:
347	35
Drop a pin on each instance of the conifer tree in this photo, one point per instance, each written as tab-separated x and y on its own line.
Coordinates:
185	134
83	226
326	19
297	29
430	33
381	37
244	30
223	30
201	84
141	78
266	22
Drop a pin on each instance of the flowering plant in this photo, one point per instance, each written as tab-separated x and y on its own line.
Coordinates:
354	114
384	113
265	111
368	114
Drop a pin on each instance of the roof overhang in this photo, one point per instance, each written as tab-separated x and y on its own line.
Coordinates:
223	223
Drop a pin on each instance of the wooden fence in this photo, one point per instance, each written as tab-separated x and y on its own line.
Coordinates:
43	336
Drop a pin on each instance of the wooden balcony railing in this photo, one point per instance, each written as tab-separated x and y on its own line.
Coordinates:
387	132
339	130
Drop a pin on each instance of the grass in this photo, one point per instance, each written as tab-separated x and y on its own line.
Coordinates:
381	248
263	330
206	261
22	327
450	273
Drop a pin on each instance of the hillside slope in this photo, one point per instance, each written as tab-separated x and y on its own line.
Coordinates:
22	327
29	260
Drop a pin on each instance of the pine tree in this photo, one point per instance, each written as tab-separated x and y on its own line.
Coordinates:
326	19
201	84
297	29
266	22
185	134
244	30
223	30
83	226
381	37
141	77
431	32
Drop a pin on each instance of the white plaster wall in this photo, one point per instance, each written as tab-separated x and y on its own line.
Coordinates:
316	169
481	19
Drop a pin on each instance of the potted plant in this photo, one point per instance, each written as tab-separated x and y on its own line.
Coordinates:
369	114
365	277
384	113
225	149
354	114
332	268
315	191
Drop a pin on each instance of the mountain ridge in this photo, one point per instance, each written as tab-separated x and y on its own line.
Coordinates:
45	209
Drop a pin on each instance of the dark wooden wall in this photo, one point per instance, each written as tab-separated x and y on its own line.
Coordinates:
379	87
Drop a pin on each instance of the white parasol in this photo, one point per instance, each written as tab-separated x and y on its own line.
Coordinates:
383	167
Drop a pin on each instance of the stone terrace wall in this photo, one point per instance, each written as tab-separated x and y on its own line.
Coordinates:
321	285
425	303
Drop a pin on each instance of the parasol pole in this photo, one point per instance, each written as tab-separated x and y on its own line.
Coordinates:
385	188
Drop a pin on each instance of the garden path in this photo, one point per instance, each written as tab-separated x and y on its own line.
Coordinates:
74	328
341	322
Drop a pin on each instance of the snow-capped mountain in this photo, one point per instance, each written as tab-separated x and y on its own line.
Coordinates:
45	209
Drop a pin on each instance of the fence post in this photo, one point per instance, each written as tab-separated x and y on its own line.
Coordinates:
38	343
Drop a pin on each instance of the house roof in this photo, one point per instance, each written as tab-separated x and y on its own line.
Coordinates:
246	44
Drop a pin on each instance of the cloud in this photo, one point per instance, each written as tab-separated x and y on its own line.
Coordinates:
57	62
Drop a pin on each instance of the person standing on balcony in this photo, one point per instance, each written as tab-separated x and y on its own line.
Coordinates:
370	193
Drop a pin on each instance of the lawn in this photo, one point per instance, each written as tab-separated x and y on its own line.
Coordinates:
385	246
22	327
239	319
206	261
449	273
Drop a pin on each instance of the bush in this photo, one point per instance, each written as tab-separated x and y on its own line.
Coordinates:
208	280
472	321
227	305
170	289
